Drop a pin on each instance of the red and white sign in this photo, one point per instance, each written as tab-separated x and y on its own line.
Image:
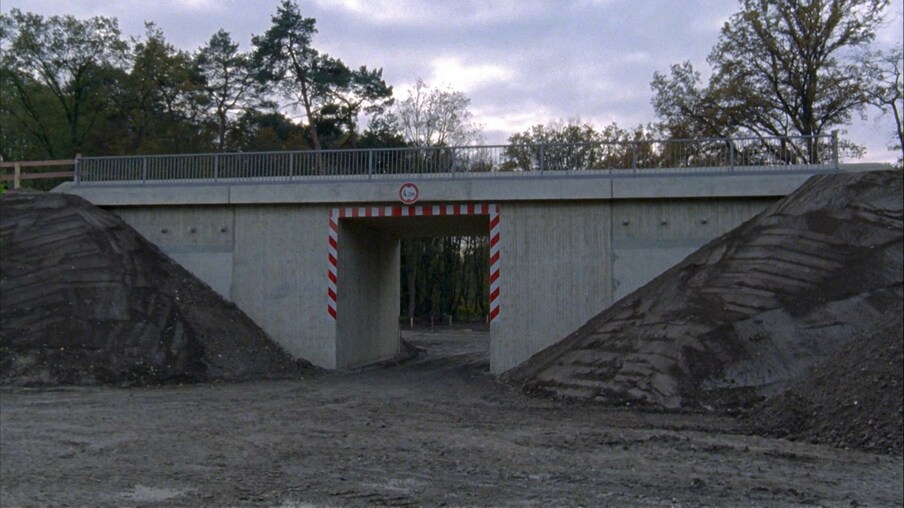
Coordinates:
492	211
408	193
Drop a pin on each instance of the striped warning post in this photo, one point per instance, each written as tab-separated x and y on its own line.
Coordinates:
490	210
494	262
332	275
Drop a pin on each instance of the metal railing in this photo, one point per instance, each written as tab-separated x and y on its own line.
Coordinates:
631	157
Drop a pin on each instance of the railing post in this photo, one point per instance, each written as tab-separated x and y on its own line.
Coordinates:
730	154
835	150
634	156
370	163
542	150
144	169
76	169
216	167
17	175
453	162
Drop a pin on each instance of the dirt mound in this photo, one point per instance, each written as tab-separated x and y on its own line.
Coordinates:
86	300
854	399
752	312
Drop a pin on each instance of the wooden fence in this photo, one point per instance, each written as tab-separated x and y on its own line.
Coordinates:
18	175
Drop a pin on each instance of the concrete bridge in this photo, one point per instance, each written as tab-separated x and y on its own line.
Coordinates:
308	244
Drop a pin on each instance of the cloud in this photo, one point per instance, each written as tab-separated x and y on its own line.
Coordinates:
435	14
194	5
499	124
453	73
521	62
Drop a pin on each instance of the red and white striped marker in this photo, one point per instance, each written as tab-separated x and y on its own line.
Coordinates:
494	262
414	211
333	256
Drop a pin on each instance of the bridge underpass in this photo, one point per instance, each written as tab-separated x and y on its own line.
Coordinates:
363	284
315	260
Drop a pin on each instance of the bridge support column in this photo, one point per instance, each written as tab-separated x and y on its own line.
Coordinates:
367	328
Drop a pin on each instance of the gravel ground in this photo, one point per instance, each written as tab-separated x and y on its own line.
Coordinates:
436	430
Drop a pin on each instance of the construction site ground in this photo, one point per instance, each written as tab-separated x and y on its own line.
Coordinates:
436	430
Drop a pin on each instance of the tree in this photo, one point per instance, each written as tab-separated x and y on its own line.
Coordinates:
257	131
382	132
572	145
452	278
475	289
685	110
228	80
31	125
52	76
780	67
431	117
886	90
321	85
163	98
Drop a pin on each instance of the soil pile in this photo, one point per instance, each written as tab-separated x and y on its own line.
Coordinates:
854	399
87	300
753	312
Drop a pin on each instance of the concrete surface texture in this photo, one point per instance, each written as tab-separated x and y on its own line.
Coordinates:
369	293
750	313
569	248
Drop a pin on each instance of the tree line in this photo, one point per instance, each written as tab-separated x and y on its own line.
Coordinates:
76	86
70	86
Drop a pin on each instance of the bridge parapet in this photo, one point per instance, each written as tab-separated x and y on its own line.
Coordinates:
642	157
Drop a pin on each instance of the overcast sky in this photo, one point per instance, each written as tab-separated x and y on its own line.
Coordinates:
521	62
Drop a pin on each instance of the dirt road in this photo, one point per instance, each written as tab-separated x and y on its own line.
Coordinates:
433	431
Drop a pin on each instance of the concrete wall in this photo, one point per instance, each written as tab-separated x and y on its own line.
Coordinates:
367	326
270	260
202	239
563	263
651	236
555	272
280	277
570	246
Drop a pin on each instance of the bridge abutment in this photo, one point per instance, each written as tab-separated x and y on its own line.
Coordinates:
568	248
